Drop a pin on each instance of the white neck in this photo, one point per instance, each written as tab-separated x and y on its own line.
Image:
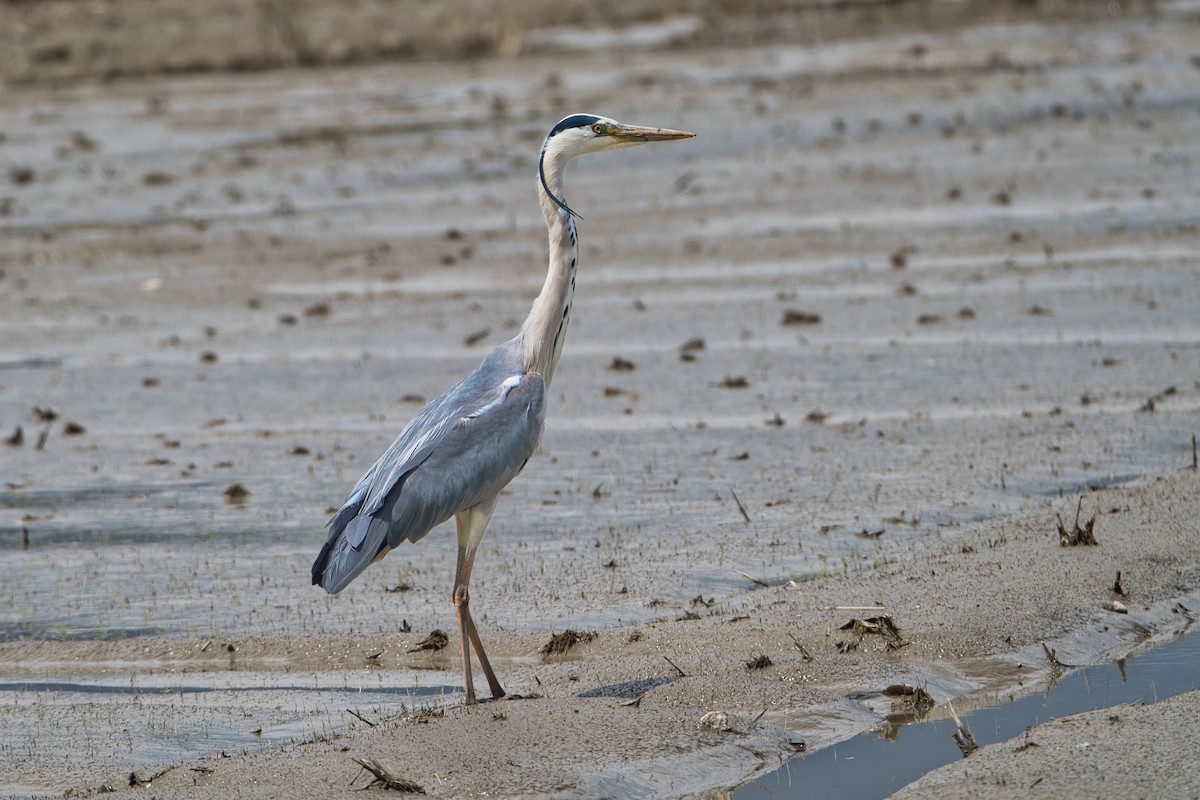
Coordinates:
545	328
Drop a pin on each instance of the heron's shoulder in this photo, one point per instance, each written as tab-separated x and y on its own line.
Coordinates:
508	358
498	366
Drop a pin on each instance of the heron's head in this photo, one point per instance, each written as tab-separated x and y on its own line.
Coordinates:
588	133
578	134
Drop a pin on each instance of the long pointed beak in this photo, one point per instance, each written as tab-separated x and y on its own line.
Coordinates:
637	133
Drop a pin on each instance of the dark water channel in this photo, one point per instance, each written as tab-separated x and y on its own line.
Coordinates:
880	762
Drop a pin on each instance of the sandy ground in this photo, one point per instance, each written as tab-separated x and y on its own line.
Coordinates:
946	286
974	613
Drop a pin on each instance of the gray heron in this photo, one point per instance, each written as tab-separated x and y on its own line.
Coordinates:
462	449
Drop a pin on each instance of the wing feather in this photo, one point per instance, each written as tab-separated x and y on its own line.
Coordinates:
462	449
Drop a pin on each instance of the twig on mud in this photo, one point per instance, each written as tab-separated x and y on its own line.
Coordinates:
852	608
752	579
387	778
682	674
1052	659
741	506
1029	743
807	656
962	737
135	782
361	717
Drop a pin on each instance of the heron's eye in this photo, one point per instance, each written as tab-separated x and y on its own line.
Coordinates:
598	128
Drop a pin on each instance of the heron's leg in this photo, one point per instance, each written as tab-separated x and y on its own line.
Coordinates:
467	630
471	525
462	576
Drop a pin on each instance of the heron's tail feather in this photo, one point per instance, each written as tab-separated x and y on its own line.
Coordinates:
330	560
359	535
348	551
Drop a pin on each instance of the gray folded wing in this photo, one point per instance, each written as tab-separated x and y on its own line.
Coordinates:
460	450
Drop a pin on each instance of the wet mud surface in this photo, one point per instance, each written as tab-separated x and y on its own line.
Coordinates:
901	293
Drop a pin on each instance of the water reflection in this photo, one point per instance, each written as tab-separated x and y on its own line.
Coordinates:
880	762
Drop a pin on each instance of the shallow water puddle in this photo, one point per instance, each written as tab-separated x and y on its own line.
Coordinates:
879	762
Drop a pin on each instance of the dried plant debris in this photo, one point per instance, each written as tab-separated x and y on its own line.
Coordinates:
741	506
137	783
899	258
423	716
804	654
436	640
882	625
909	697
1084	535
351	710
1052	659
237	494
562	642
759	662
386	778
753	579
1149	405
688	350
794	316
962	735
1029	743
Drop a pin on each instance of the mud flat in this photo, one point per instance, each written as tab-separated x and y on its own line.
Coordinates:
908	295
